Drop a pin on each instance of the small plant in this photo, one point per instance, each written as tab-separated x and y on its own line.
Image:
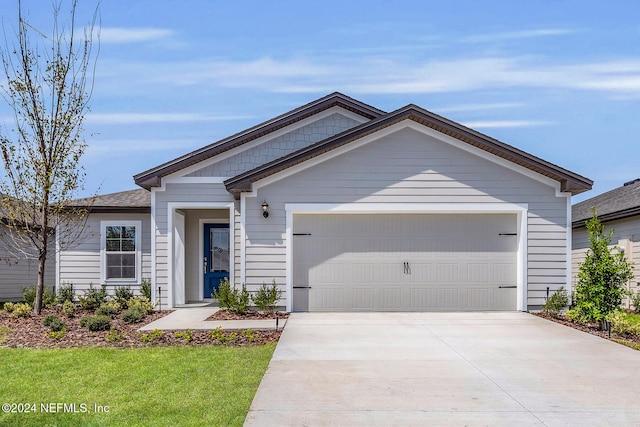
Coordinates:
249	334
267	296
54	323
21	310
57	335
234	300
185	335
114	335
8	306
65	293
151	336
48	296
109	308
621	325
123	295
556	302
219	335
69	308
29	295
96	323
145	289
141	303
93	297
132	315
635	301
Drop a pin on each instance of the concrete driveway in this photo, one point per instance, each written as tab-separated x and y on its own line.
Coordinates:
385	369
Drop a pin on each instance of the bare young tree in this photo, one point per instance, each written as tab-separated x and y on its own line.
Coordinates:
49	80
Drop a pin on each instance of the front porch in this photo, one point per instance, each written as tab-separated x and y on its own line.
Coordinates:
201	247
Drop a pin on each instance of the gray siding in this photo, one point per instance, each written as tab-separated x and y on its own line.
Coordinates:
80	265
410	167
18	272
624	229
278	147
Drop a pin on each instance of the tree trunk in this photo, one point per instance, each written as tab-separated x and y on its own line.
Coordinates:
42	259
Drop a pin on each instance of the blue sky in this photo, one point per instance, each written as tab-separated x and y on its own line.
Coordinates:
558	79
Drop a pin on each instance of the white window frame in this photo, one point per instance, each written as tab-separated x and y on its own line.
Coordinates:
103	251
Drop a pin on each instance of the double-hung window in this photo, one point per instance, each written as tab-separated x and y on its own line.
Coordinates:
121	251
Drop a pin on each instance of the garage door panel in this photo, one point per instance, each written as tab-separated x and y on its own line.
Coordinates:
406	262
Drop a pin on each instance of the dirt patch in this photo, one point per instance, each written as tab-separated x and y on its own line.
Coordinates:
591	328
30	332
250	315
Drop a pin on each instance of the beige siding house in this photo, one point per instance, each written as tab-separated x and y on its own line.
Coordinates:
618	210
347	208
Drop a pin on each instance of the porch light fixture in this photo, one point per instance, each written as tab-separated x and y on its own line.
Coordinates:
265	209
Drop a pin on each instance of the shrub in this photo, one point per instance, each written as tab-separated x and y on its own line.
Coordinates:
21	310
635	301
151	336
96	323
602	277
235	300
54	323
267	296
219	335
145	289
132	315
123	295
69	308
65	293
114	335
556	302
8	306
141	303
93	297
57	335
29	295
620	323
109	308
185	335
48	296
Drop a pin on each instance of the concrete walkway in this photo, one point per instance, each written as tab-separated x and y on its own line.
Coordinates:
417	369
194	318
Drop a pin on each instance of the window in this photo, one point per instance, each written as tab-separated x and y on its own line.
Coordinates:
120	251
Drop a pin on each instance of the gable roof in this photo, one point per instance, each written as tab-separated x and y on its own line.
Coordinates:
152	177
132	201
569	181
621	202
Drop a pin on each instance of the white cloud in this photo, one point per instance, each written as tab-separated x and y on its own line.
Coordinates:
117	147
479	107
133	35
372	75
494	124
137	118
514	35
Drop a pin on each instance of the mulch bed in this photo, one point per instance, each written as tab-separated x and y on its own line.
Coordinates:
30	332
591	328
249	315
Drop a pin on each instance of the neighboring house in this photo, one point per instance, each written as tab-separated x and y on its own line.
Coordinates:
18	271
618	209
347	208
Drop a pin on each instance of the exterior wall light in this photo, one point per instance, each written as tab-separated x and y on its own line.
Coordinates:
265	209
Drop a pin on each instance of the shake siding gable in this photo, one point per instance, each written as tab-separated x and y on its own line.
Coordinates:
409	167
277	147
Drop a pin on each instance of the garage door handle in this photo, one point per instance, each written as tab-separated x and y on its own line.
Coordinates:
407	268
507	287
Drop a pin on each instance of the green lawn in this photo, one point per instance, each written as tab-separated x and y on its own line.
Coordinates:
162	386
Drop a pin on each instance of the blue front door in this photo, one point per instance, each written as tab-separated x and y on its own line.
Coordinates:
216	256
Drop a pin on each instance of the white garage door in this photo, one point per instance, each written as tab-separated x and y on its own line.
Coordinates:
404	262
